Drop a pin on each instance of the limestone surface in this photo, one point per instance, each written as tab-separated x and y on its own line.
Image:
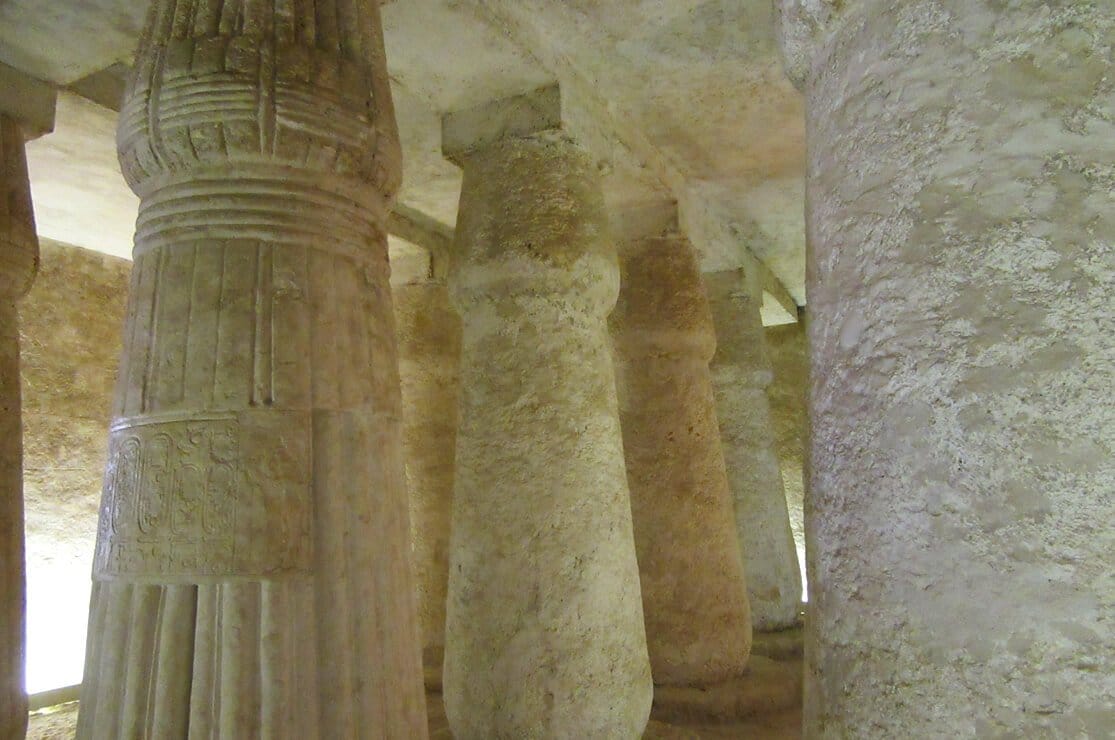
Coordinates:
962	222
544	625
429	352
694	588
253	573
741	373
19	260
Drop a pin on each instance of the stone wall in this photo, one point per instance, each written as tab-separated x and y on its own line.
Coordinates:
70	325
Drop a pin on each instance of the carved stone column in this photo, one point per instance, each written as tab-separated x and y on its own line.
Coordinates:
429	357
741	373
253	568
544	630
694	589
19	261
962	223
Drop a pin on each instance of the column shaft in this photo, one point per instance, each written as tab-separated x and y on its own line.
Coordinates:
962	220
544	633
741	373
429	357
694	589
253	572
19	259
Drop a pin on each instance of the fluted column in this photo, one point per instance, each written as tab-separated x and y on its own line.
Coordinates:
741	373
544	630
694	589
962	223
252	576
429	354
19	261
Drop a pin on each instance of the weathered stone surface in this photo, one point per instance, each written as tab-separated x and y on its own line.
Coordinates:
253	573
741	373
962	223
429	355
544	627
70	326
789	357
694	590
19	261
766	687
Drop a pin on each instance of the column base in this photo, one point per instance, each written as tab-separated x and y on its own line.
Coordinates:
767	687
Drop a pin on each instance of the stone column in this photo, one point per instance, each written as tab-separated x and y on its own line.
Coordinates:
694	590
741	373
19	261
962	223
544	629
429	357
253	568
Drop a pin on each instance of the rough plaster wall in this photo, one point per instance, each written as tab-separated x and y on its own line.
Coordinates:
789	356
962	222
70	325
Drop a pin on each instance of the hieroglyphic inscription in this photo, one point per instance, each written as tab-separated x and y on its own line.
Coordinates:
191	498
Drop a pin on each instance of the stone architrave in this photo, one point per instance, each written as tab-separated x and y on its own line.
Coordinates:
253	573
19	261
741	372
962	222
544	625
694	589
429	353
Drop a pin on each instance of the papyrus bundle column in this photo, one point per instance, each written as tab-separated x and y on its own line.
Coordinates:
544	633
694	589
962	223
741	372
19	261
429	354
253	573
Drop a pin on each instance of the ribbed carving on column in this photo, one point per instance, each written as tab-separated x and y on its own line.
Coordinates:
253	574
298	82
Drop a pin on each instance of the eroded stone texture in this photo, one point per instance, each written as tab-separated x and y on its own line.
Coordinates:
962	218
253	569
19	260
741	373
429	356
544	630
694	590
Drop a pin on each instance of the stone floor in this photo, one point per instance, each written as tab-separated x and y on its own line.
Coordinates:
764	705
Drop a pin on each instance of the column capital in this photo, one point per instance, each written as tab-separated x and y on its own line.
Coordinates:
667	317
19	244
268	83
466	131
28	101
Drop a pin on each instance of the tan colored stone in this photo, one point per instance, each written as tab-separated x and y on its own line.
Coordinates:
429	355
767	687
694	589
253	573
19	260
544	630
961	220
741	373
